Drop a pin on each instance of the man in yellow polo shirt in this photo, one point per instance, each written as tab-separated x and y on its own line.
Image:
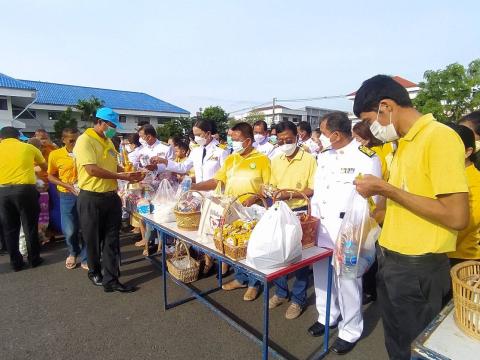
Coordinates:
245	171
63	173
294	169
427	204
99	207
18	196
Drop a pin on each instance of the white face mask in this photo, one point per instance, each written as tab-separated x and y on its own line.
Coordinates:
288	149
143	142
200	140
326	143
237	147
477	146
129	148
259	138
383	133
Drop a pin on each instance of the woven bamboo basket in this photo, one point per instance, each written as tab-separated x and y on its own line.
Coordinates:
188	220
187	274
466	297
310	224
231	251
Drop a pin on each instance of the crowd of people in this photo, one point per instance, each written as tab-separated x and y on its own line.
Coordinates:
423	177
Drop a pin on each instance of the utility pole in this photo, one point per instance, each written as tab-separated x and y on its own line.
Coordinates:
273	111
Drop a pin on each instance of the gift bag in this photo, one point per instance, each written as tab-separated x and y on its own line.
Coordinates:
276	240
355	244
163	202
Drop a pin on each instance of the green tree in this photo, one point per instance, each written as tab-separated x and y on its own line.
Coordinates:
450	93
88	107
217	115
65	120
174	127
254	116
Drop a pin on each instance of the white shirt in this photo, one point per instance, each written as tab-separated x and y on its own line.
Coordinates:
336	171
148	151
205	167
265	147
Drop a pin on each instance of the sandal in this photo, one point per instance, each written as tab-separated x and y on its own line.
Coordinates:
208	265
71	262
84	266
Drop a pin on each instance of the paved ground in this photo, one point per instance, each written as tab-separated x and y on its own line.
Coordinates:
53	313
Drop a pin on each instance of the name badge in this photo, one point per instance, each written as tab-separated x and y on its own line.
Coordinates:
347	170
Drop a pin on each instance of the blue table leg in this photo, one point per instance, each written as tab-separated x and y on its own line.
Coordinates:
265	319
327	310
163	238
219	272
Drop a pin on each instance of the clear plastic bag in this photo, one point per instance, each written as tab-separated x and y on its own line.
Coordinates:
355	245
163	202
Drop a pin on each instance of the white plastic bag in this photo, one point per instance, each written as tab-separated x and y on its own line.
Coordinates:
355	244
163	203
276	240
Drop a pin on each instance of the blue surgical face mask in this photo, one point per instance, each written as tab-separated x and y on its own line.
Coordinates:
273	139
229	142
110	132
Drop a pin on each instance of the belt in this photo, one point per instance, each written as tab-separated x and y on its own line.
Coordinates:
98	194
424	259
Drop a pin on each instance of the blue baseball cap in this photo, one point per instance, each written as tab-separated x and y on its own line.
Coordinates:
22	137
109	115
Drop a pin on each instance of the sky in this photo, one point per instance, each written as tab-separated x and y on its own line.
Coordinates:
234	53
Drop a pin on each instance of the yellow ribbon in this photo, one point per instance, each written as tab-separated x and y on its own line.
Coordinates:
106	143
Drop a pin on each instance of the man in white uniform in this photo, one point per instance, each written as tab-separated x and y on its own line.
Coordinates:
305	138
151	147
338	166
262	143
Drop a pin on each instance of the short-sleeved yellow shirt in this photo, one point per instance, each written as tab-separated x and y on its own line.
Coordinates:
17	162
385	154
297	174
88	150
468	241
62	164
244	174
429	161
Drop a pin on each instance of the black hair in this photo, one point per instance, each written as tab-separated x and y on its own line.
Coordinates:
474	118
69	131
338	121
143	122
206	126
134	139
9	132
149	130
245	128
467	136
181	145
305	126
261	123
286	125
377	88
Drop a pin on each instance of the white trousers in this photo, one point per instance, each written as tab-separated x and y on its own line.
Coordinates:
346	299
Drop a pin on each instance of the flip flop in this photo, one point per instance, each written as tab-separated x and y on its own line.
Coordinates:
71	262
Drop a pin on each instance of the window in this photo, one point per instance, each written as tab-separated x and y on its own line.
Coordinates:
143	119
123	118
3	104
162	120
53	115
27	114
285	118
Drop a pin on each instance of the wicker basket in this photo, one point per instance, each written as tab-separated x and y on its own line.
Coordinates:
190	272
231	251
188	220
466	297
310	224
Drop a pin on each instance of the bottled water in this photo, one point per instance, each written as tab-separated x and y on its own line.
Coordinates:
185	186
350	258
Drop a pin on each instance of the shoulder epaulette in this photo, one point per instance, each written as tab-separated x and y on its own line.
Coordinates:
366	150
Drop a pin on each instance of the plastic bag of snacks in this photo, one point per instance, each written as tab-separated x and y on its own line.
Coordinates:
237	233
164	202
187	210
355	244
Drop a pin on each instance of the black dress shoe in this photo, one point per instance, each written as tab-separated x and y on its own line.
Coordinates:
119	287
96	279
18	267
342	347
318	329
368	298
37	262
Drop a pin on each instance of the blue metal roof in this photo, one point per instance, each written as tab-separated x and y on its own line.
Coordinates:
68	95
11	83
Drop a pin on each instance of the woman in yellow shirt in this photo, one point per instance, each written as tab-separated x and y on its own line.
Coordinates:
468	240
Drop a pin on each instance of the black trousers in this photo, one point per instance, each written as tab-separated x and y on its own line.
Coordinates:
19	206
411	292
100	216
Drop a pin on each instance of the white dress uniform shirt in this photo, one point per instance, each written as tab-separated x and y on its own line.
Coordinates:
158	148
265	147
336	171
205	166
